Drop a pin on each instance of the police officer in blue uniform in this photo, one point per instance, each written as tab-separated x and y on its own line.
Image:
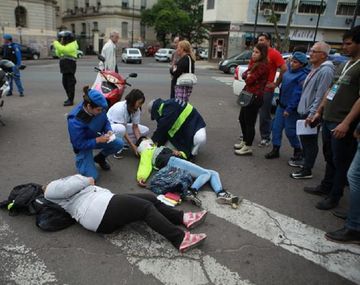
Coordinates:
12	52
90	129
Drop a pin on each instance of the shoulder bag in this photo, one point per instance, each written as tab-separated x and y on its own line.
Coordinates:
245	98
187	79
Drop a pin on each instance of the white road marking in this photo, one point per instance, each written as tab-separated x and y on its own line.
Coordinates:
19	264
154	255
227	80
291	235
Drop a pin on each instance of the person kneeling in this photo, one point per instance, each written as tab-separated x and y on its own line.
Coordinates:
99	210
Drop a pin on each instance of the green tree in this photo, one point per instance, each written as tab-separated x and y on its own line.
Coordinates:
176	17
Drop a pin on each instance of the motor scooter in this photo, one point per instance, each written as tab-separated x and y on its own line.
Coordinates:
112	84
6	68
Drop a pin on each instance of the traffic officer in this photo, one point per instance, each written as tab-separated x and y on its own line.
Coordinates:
12	52
66	48
90	129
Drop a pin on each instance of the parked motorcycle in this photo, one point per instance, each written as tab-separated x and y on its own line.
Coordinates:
6	68
112	84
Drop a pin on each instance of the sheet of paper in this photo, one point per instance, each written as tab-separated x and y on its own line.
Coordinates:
302	130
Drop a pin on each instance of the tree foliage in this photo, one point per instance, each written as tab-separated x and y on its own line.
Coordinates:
176	17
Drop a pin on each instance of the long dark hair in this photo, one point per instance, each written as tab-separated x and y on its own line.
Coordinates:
133	96
263	55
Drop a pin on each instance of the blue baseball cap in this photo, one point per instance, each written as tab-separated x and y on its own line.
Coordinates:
300	57
97	98
7	37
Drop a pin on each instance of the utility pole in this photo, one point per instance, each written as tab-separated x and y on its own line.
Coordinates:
357	10
256	19
132	23
318	19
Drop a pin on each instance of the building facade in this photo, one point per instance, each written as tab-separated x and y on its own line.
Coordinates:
231	22
31	22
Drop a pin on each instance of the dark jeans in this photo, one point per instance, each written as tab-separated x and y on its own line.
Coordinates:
310	148
338	156
127	208
69	81
247	119
265	116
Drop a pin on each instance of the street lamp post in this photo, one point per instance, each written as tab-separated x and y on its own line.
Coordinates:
318	19
132	24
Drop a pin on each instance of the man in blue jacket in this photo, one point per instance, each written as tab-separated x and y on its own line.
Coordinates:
286	114
12	52
90	129
179	123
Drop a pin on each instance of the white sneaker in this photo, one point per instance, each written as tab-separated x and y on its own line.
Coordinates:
264	142
245	150
239	145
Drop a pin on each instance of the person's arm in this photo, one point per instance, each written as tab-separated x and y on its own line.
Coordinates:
182	66
254	75
18	55
67	187
145	167
342	128
281	64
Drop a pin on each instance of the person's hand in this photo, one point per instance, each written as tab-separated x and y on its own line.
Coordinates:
286	114
271	85
109	133
308	121
102	139
313	121
357	133
134	149
91	181
141	183
176	152
340	131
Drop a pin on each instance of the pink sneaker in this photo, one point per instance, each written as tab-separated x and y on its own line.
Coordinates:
191	220
191	240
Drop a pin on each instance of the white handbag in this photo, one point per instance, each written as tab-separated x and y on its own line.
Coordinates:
187	79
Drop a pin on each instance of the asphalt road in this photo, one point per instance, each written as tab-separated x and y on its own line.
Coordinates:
275	237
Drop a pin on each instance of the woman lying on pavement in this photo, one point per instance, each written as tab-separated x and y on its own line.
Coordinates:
99	210
152	156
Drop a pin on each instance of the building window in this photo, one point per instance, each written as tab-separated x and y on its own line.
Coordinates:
125	4
210	4
83	28
311	7
73	28
124	30
87	4
143	31
279	5
143	4
346	9
95	26
20	16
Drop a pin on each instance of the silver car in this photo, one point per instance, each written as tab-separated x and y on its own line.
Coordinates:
131	55
164	54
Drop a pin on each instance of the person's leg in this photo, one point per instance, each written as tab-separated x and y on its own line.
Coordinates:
125	209
71	86
85	164
215	181
243	123
290	130
119	130
199	140
17	80
110	148
265	116
172	89
310	150
327	181
250	121
11	85
353	216
278	126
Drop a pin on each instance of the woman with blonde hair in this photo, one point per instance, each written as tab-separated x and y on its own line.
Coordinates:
186	64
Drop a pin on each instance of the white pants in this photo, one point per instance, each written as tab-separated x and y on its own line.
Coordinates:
120	130
198	141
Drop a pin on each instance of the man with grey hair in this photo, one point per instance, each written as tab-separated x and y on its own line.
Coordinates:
315	86
109	52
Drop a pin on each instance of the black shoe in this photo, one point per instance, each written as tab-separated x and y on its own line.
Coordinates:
273	154
68	103
9	94
327	204
301	174
344	235
340	214
100	159
22	94
190	195
318	190
296	162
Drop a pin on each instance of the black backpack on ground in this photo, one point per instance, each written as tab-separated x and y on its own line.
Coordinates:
29	199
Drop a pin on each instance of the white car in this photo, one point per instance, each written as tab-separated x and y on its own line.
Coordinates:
204	54
131	55
164	54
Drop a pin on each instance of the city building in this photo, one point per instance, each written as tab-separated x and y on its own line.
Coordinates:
231	22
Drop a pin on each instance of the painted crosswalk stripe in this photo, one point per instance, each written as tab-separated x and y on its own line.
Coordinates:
290	234
19	264
227	80
154	255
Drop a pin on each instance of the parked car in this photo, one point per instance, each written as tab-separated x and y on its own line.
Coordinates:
27	52
131	55
204	54
164	54
228	65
